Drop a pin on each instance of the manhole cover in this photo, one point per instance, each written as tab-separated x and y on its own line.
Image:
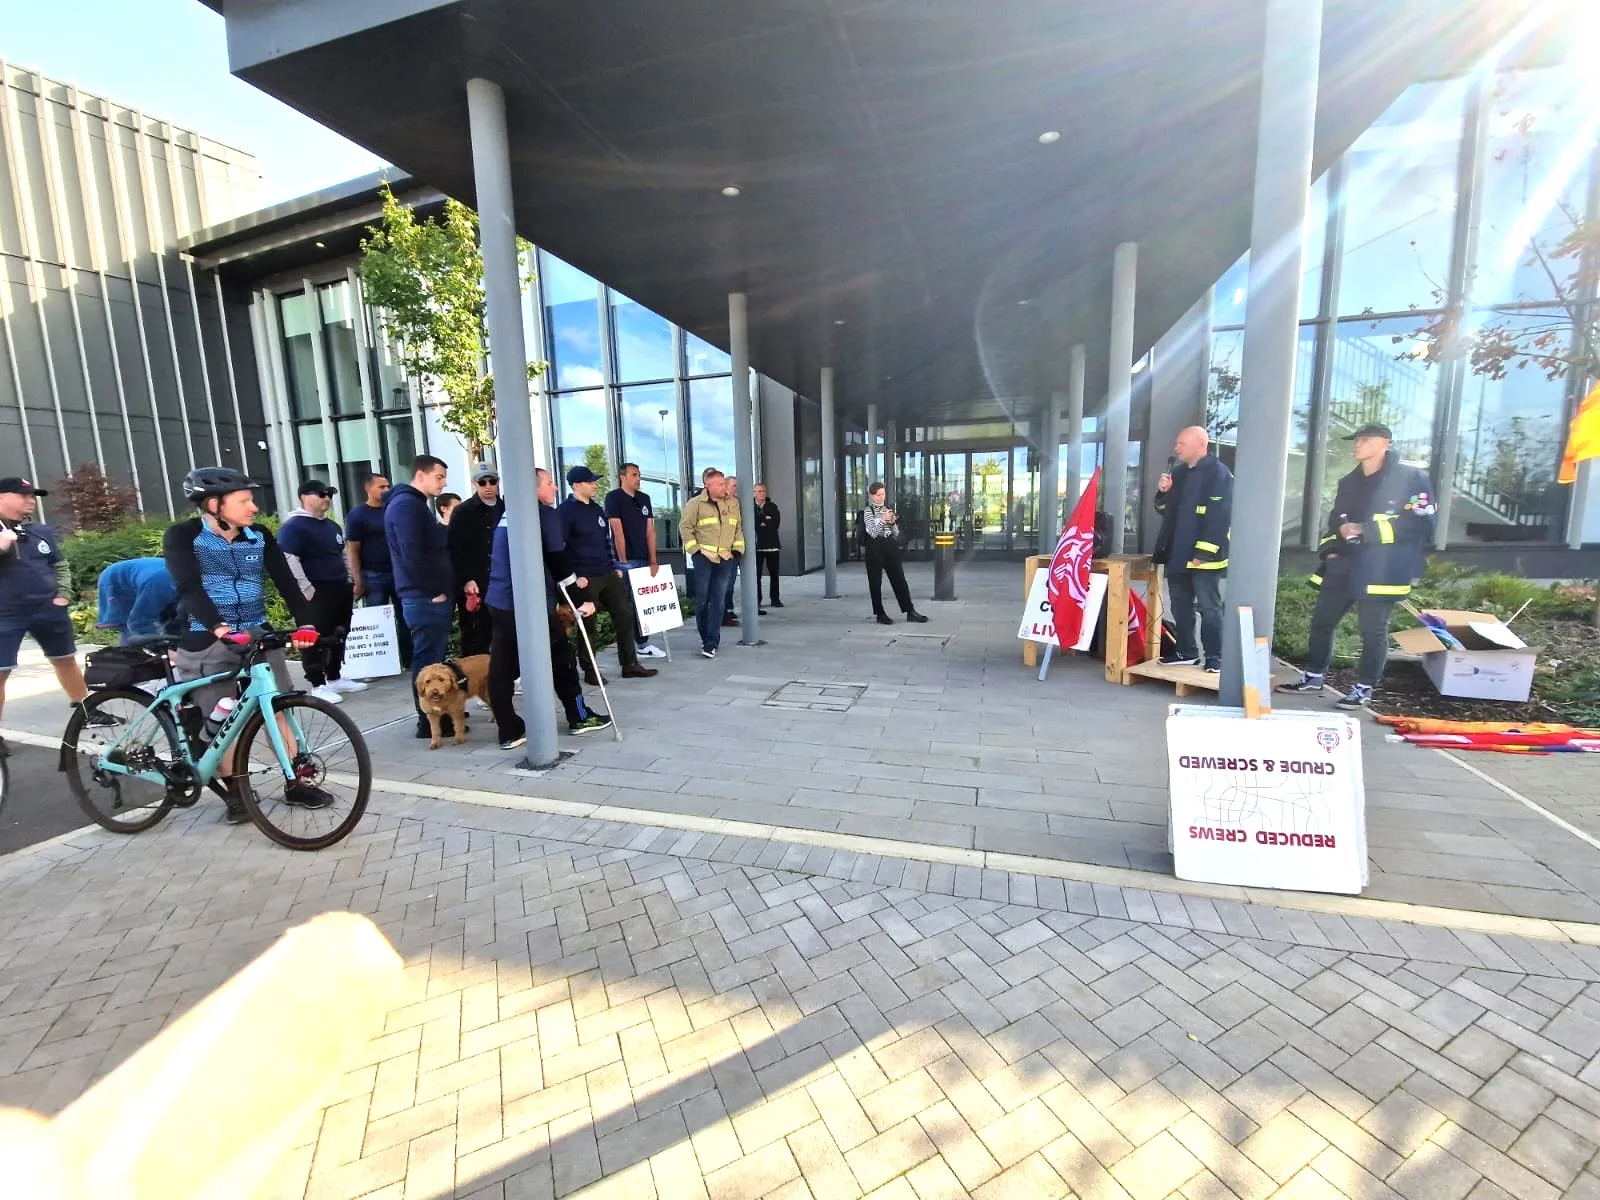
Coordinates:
931	641
816	697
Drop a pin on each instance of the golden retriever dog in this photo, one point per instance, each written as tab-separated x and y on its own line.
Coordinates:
441	694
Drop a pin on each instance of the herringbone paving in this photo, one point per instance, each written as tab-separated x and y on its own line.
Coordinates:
600	1008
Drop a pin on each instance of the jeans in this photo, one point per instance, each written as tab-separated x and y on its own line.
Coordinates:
430	637
640	638
1372	619
380	590
1202	590
709	580
733	584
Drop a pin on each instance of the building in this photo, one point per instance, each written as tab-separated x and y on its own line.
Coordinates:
117	351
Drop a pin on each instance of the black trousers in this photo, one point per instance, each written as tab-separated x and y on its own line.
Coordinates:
610	593
505	664
332	606
883	557
477	628
767	560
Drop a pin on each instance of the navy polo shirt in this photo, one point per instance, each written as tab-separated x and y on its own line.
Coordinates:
28	572
364	526
588	537
319	545
635	513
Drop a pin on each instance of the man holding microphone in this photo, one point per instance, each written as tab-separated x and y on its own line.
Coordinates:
1195	499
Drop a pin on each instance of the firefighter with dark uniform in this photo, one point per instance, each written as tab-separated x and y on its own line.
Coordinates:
1195	499
1373	550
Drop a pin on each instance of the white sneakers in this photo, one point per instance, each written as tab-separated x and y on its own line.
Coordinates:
651	651
347	685
327	694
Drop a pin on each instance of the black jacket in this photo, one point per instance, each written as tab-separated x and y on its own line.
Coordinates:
1196	513
768	518
471	538
1396	528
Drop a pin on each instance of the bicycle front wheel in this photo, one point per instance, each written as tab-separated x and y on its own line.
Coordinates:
115	726
327	797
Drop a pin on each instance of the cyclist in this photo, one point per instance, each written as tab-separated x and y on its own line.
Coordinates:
219	561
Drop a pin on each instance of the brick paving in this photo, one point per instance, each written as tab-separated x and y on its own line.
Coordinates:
599	1008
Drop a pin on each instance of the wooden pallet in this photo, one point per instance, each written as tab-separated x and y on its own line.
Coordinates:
1188	678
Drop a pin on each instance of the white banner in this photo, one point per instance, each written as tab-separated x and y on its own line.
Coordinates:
1277	802
372	651
1038	623
655	600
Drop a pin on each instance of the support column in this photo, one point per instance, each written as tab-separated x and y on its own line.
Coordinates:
872	446
508	358
744	459
1050	473
1119	394
830	491
1075	373
891	466
1288	111
1180	369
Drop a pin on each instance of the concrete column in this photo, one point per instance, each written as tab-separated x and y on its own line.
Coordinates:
1075	373
873	475
891	469
1119	393
830	491
744	458
1282	184
1180	369
491	170
1050	473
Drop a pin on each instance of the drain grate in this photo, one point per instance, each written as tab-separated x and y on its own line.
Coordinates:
816	697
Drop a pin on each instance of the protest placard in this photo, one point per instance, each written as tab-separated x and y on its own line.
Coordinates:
655	600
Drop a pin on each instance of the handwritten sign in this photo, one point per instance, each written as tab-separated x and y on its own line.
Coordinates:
655	600
371	649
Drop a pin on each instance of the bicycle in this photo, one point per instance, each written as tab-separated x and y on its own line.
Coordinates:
129	773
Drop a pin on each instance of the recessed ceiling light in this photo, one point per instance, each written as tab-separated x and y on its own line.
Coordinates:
1049	137
322	245
1023	303
838	321
731	191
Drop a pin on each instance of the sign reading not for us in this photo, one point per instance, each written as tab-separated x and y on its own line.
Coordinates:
655	600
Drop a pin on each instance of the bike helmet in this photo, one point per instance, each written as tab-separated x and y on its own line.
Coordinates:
204	482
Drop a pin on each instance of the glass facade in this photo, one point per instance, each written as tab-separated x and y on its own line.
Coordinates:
1512	154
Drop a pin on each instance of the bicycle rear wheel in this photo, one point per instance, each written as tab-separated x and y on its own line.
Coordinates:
333	775
144	741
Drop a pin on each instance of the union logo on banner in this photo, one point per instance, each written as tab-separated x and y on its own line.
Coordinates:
1068	587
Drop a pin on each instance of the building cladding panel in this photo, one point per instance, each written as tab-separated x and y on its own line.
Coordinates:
111	342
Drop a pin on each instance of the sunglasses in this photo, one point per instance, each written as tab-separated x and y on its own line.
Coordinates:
493	479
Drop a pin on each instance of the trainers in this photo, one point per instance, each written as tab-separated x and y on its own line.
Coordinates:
100	720
649	651
306	795
1358	697
347	686
1213	666
1306	683
916	618
635	671
1177	659
593	723
517	689
707	652
515	743
233	813
327	694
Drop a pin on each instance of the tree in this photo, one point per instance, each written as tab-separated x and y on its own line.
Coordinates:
1222	401
594	457
94	502
427	277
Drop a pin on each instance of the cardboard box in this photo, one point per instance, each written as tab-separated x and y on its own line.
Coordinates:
1491	662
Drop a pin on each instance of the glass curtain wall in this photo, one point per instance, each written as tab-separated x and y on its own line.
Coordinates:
1404	190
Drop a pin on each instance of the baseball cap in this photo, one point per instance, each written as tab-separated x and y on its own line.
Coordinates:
315	487
582	474
484	471
21	486
1372	430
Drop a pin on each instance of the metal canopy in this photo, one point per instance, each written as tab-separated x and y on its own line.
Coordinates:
898	216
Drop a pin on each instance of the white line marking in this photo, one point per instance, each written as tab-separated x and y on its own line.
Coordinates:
1521	799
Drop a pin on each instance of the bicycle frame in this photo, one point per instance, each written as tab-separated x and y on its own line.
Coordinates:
262	690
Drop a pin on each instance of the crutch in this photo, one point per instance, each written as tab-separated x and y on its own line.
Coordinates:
583	632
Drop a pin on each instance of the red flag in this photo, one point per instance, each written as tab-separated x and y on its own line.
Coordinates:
1068	586
1138	616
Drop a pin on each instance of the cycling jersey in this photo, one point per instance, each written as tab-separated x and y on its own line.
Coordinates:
222	581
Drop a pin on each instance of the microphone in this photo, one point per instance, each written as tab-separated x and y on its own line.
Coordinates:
1172	461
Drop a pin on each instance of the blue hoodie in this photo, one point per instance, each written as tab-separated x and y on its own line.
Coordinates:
417	545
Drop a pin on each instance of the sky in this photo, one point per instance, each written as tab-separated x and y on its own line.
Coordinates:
169	58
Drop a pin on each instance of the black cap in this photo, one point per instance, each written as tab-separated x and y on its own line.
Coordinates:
21	486
315	487
1372	430
582	474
